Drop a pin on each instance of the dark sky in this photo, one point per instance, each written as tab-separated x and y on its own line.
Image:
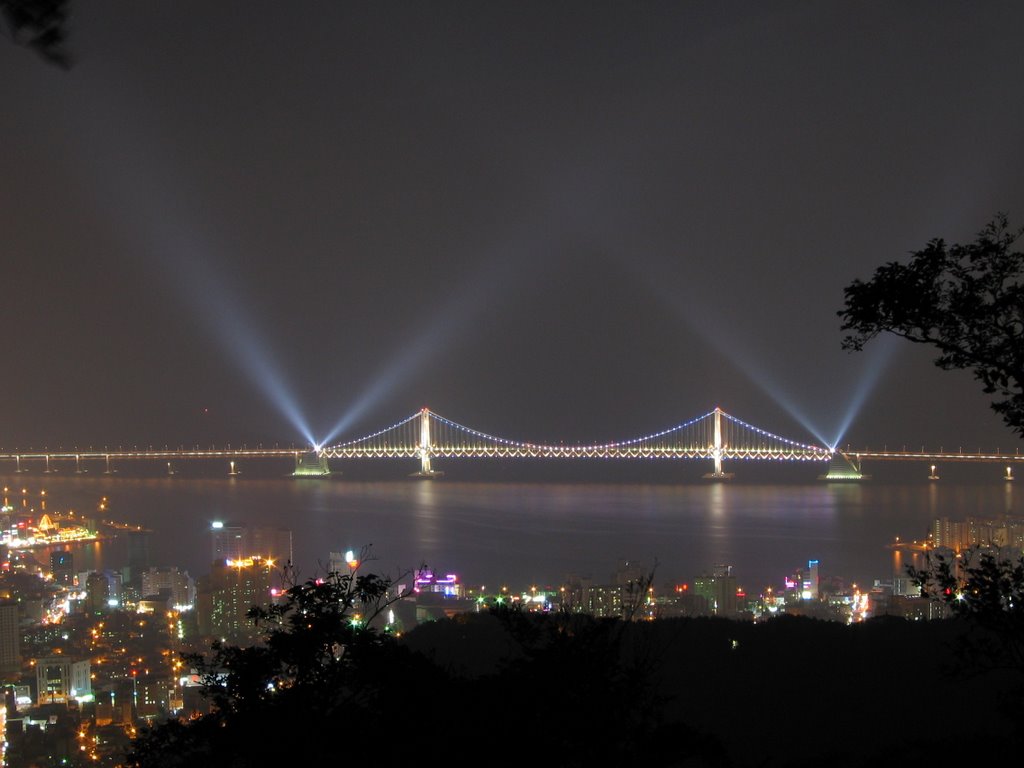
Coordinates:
575	221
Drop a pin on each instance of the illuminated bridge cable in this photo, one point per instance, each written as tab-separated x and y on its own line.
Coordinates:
715	435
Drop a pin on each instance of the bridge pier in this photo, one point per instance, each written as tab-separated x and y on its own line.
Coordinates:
426	472
932	475
310	465
843	468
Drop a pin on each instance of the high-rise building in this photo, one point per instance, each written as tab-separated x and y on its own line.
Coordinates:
97	593
103	591
629	572
604	600
179	584
138	553
228	542
810	581
237	542
718	589
977	532
269	543
62	566
10	641
226	595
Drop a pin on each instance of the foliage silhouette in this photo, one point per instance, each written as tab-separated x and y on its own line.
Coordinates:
324	683
965	300
320	666
39	25
988	592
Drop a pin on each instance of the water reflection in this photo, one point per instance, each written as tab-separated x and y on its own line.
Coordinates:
426	527
536	532
718	526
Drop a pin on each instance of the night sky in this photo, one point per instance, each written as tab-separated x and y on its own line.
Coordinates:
241	221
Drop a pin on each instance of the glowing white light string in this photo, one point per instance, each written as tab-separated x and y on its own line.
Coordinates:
448	440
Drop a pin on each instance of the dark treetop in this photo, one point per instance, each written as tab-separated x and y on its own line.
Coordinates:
967	301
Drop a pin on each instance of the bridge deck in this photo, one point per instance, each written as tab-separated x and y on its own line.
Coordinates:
166	453
993	457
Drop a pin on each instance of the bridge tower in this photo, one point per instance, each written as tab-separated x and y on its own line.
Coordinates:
716	450
426	449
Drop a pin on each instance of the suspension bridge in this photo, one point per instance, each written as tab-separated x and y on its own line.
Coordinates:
424	436
716	435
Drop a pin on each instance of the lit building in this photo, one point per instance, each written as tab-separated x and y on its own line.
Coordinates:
810	581
271	543
681	601
152	696
97	593
227	542
604	600
629	572
236	542
428	582
59	680
342	563
719	590
180	585
62	566
226	595
978	531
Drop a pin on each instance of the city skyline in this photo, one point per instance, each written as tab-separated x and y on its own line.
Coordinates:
544	222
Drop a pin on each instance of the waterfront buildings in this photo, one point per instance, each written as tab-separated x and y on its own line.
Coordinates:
973	531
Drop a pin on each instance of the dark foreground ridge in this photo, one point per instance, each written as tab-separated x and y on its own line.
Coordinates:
505	688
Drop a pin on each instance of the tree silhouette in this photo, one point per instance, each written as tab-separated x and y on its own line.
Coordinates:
325	686
40	25
988	591
967	301
321	668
